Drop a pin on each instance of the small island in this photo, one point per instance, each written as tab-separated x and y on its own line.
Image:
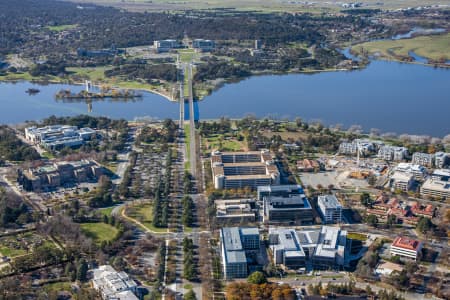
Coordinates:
114	93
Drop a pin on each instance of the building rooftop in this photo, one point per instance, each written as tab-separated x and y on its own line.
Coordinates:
406	243
296	201
331	239
401	176
329	201
437	185
287	240
291	188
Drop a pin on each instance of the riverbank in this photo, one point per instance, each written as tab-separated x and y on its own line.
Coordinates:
429	50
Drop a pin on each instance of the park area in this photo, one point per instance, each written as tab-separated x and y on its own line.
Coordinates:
142	214
99	232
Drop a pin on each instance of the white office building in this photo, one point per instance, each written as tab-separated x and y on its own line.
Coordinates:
423	159
330	209
113	285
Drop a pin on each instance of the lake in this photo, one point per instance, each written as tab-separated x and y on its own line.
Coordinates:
390	96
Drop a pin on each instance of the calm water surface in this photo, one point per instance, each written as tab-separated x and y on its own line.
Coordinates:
390	96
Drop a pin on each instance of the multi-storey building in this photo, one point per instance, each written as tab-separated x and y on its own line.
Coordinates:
351	148
235	211
58	173
56	137
294	209
417	171
243	169
165	45
330	209
393	153
236	243
203	45
113	285
435	188
406	247
401	181
441	159
323	248
423	159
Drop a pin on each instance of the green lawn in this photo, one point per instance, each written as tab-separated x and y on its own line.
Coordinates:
94	74
47	155
10	252
57	287
144	214
106	211
99	232
186	55
432	46
61	27
357	236
187	141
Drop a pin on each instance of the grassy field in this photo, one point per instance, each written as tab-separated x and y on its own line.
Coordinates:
144	214
213	142
187	141
57	286
60	28
94	74
433	47
99	232
357	236
10	252
319	6
106	211
186	55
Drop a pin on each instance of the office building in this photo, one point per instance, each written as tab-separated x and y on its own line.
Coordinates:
423	159
113	285
279	191
59	173
441	159
165	45
293	209
286	248
324	248
236	244
401	181
393	153
232	170
434	188
235	211
330	209
406	247
203	45
56	137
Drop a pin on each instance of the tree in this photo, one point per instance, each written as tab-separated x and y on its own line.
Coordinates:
424	225
257	278
190	295
372	220
82	270
365	199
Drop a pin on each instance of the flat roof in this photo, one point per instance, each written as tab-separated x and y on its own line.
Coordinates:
293	202
276	188
406	243
436	185
329	201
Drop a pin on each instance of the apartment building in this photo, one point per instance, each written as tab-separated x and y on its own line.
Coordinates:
401	181
417	171
441	159
393	153
423	159
435	188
